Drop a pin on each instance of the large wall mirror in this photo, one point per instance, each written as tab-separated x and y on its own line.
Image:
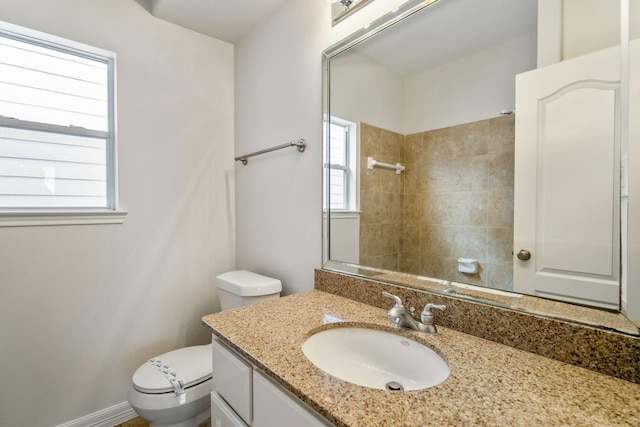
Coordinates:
480	148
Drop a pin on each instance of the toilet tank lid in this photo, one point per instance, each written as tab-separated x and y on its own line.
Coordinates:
247	284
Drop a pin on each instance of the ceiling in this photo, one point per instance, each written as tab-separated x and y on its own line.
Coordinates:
450	26
227	20
450	29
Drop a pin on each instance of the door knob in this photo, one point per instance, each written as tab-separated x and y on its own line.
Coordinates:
524	255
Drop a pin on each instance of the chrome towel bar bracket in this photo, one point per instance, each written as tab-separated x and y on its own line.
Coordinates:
301	144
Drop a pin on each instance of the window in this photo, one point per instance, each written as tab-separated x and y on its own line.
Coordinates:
341	167
57	125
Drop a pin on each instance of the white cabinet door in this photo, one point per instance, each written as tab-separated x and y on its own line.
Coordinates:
222	415
232	379
275	407
567	180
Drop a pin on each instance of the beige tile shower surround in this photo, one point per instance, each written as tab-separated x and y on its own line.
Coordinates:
454	200
490	384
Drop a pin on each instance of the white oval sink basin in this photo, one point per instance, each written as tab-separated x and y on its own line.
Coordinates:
376	359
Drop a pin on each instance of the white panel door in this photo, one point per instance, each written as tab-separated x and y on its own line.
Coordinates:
567	180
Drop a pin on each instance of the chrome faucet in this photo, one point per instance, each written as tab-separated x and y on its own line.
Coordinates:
402	317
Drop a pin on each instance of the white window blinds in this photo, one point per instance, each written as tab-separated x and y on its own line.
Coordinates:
57	147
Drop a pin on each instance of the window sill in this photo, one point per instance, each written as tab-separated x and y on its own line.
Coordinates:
342	214
40	218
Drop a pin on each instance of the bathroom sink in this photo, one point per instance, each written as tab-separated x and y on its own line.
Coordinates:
376	359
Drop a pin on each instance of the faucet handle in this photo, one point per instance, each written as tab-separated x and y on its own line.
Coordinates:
393	297
427	316
397	311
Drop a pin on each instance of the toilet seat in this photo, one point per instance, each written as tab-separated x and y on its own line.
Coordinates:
175	371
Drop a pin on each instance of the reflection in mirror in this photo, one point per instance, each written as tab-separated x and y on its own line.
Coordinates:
421	145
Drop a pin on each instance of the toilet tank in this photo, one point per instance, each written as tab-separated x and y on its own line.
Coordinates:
241	287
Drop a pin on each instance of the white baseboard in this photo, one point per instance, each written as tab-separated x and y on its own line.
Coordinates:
108	417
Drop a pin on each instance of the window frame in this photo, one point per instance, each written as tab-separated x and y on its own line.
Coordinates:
351	168
111	214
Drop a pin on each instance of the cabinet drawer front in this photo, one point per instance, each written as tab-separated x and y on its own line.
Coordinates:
222	415
273	406
232	380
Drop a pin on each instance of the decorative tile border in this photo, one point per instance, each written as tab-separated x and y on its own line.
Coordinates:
607	352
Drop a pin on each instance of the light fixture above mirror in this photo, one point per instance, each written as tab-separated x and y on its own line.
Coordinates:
340	9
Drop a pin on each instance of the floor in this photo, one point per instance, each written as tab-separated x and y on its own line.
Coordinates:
139	422
136	422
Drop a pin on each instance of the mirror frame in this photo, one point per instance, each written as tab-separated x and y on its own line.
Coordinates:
375	27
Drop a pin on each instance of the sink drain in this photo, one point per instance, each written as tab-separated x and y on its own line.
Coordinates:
394	386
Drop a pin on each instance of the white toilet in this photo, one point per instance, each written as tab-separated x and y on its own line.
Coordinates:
173	389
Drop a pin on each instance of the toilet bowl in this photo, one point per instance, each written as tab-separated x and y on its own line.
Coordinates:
173	389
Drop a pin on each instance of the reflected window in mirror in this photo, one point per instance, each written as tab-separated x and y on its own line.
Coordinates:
342	166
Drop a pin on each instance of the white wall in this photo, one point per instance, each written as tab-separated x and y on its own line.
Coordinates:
81	307
364	91
475	87
472	88
279	99
589	26
345	237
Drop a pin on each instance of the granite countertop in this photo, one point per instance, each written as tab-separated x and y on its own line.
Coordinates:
490	384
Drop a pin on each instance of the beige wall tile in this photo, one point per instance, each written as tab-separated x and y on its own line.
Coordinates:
441	176
478	278
435	240
370	240
412	208
370	207
469	208
369	140
413	149
501	170
471	139
438	145
410	239
502	134
500	276
436	207
369	179
390	262
460	176
469	173
412	176
500	208
390	181
500	245
391	148
391	208
390	236
469	242
435	266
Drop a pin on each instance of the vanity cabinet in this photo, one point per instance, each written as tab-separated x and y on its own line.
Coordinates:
245	397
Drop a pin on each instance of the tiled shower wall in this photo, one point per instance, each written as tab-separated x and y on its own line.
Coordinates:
381	199
454	200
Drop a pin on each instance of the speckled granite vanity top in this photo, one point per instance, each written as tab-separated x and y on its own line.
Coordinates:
490	384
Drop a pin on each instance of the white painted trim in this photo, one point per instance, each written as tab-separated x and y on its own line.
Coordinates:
549	32
342	214
35	218
108	417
